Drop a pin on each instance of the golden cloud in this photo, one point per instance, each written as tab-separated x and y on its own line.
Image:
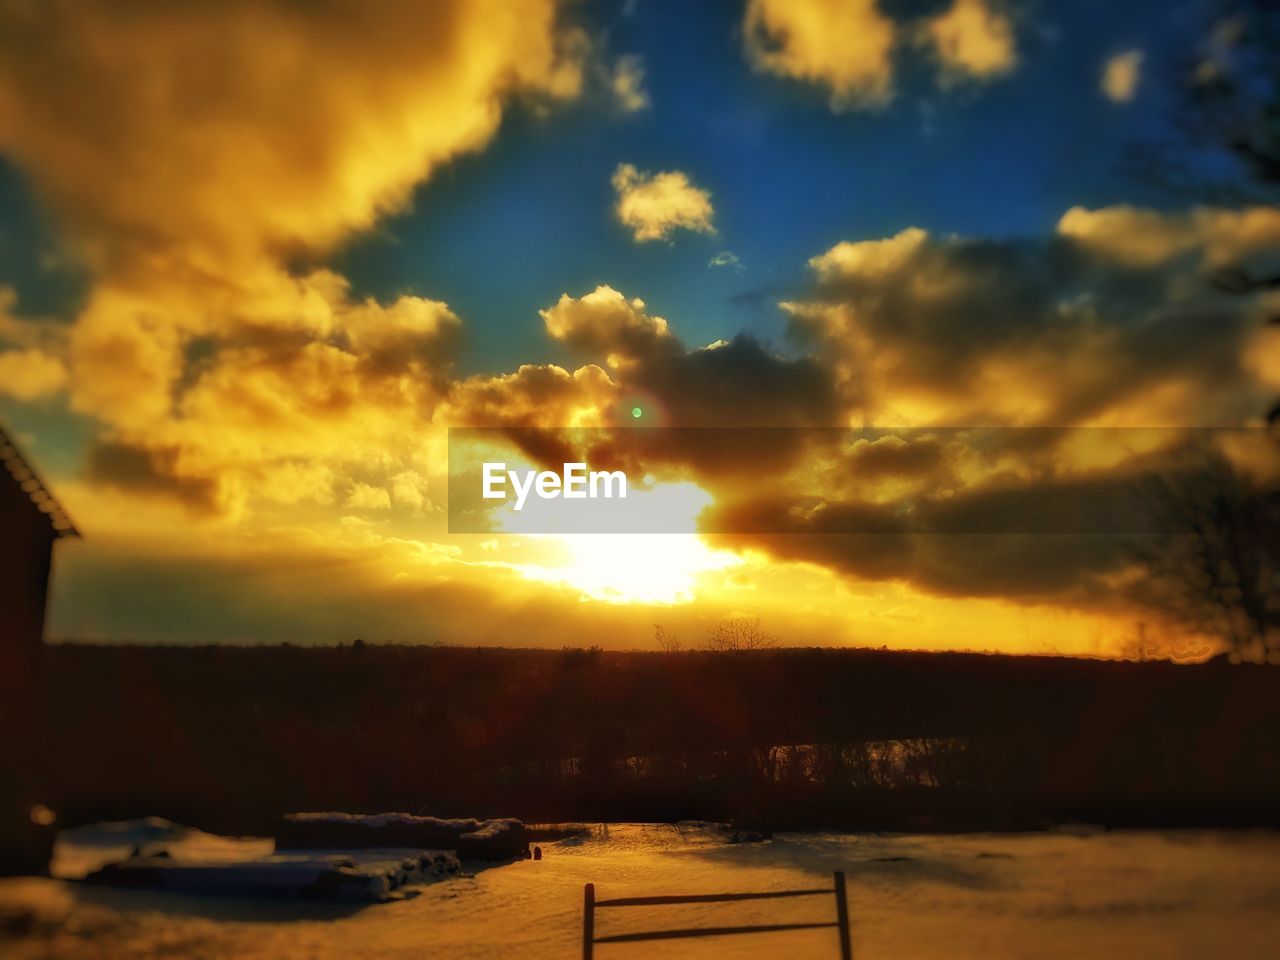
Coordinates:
32	354
31	374
626	83
1120	75
844	46
195	156
849	47
972	40
365	496
605	323
655	205
922	330
1262	354
1139	237
409	488
534	395
868	258
181	138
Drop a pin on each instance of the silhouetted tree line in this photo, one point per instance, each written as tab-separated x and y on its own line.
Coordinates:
228	738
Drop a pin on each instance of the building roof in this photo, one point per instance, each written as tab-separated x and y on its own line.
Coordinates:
25	476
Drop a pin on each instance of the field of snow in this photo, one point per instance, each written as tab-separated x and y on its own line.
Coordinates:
1071	894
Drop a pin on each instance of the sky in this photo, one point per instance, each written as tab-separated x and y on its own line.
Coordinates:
256	258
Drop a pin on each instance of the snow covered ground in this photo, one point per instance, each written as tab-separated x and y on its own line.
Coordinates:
1046	895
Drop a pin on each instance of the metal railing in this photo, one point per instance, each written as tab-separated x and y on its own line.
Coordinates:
590	905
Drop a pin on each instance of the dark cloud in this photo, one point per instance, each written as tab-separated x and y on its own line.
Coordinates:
1046	330
1030	567
739	383
1033	536
893	457
152	471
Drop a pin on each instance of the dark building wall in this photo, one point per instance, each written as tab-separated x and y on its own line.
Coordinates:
26	547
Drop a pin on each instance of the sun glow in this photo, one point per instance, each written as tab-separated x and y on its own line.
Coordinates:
634	568
662	568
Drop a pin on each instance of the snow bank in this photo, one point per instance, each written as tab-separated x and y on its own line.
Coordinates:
82	850
156	854
375	877
494	840
472	839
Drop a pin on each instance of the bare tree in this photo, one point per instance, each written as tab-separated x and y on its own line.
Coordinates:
1225	144
740	633
667	642
1216	568
1231	92
1226	96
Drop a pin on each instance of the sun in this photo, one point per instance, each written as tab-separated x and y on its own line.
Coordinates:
633	568
636	567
